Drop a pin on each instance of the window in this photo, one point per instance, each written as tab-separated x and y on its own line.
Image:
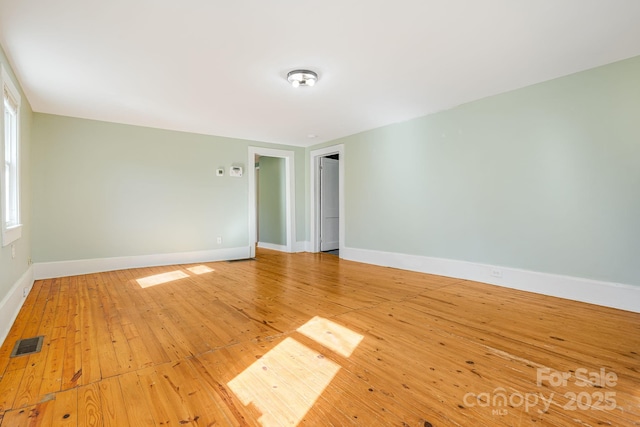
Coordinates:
10	189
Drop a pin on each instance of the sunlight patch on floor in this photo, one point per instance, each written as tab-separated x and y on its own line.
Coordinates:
331	335
200	269
286	382
158	279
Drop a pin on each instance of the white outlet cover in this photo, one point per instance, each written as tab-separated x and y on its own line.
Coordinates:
496	272
220	172
235	171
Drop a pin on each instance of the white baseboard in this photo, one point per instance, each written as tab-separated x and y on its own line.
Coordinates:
303	246
47	270
615	295
272	246
12	303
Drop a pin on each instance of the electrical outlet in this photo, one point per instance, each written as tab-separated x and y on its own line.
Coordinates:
25	292
13	251
496	272
219	240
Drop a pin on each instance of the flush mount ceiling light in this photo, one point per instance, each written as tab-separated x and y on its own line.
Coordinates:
302	78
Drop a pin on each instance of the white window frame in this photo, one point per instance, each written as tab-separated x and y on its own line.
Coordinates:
10	176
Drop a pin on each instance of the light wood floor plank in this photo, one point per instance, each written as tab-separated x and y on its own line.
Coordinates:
72	365
90	359
52	375
65	412
137	408
9	388
40	415
112	404
89	406
156	401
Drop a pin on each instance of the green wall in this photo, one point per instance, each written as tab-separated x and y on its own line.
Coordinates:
109	190
272	201
11	269
545	178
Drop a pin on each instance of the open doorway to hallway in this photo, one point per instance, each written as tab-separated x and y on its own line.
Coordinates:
289	197
327	199
329	204
271	203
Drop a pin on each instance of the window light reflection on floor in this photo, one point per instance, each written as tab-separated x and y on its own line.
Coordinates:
158	279
200	269
286	382
331	335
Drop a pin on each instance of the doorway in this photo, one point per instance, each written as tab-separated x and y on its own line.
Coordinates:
329	206
271	203
327	199
289	192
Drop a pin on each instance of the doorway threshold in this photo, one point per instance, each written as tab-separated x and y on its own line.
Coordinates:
335	252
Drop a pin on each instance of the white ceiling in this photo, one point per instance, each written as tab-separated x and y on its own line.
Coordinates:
219	67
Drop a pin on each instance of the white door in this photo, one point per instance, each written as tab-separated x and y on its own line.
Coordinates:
329	204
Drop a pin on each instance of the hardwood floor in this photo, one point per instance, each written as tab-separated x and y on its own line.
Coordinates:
313	340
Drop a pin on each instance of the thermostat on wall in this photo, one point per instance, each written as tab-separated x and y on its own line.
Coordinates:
235	171
220	172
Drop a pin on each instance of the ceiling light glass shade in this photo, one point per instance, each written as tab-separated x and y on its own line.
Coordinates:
302	78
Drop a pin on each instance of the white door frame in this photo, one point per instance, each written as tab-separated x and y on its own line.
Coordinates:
314	179
290	204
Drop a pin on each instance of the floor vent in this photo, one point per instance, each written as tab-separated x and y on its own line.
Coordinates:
27	346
